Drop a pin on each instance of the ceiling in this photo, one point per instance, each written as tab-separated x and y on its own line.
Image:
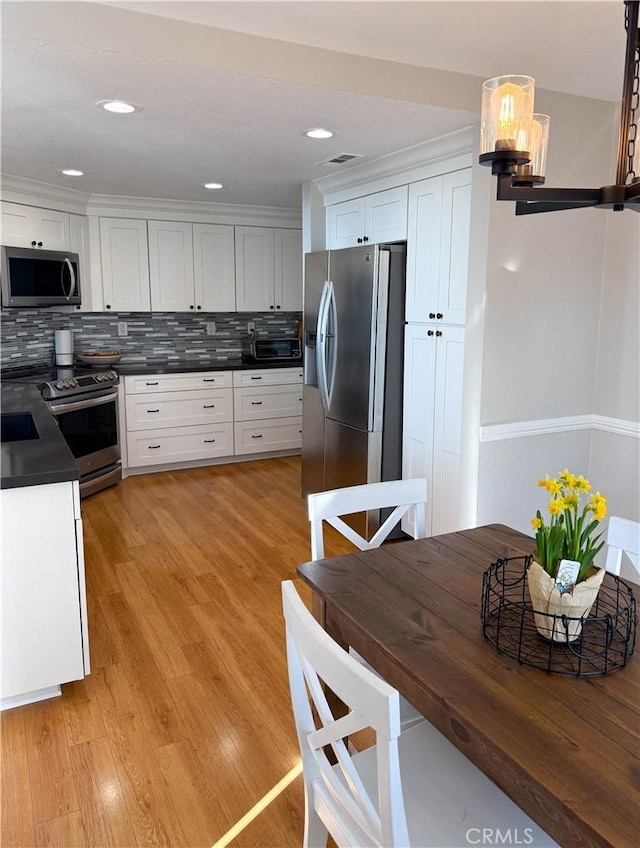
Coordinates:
202	123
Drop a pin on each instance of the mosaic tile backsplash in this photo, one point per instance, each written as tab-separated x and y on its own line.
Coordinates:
27	335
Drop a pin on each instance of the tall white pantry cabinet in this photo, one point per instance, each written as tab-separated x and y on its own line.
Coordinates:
437	269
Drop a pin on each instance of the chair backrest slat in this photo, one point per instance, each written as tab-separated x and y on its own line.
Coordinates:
315	660
623	537
400	495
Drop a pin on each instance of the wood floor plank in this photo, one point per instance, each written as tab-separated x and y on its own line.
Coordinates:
145	678
150	808
103	810
16	817
61	832
53	791
81	713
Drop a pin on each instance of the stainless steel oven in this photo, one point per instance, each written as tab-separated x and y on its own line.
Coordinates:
89	424
85	405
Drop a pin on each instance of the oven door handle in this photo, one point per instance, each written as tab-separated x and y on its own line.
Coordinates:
57	408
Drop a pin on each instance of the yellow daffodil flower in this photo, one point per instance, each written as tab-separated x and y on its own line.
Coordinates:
557	506
567	479
571	501
552	486
582	483
536	523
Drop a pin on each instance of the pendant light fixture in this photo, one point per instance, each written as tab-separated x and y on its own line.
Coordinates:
513	140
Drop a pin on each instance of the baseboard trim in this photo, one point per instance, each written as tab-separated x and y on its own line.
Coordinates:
548	426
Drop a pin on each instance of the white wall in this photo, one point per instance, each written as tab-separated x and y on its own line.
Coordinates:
540	316
615	457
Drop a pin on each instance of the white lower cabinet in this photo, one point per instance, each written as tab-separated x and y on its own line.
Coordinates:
433	419
210	415
268	435
44	609
179	444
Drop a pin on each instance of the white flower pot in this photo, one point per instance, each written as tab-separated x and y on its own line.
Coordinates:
547	602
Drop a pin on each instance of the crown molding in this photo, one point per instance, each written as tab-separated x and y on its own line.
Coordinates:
34	193
400	167
48	196
193	211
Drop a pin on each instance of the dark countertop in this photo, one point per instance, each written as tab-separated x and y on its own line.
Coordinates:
176	366
36	461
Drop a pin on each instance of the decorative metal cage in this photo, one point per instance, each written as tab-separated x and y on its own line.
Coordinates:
607	636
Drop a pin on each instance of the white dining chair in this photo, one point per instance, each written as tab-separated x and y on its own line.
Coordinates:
623	538
401	496
409	789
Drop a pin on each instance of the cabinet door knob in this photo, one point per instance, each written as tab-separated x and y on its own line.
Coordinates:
198	307
33	244
366	238
278	306
39	244
439	315
108	306
438	332
359	241
432	315
429	332
271	307
191	307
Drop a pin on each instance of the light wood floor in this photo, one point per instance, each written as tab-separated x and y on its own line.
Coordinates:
184	723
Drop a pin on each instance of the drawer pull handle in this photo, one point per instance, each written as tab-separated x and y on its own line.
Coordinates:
209	441
151	384
209	406
256	378
153	447
258	436
208	379
256	403
153	410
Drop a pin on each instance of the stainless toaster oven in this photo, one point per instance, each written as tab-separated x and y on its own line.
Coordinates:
262	350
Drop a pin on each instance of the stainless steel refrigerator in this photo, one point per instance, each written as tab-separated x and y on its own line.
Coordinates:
353	369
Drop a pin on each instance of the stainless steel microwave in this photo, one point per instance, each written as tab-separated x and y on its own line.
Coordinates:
262	350
32	277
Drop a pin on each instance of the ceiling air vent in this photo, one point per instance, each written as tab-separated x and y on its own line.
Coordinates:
340	159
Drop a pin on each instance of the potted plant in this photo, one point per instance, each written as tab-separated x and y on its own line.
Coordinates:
563	581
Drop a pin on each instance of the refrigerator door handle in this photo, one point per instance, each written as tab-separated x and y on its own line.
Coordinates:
332	343
321	344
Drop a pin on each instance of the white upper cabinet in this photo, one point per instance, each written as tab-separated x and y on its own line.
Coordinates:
214	267
30	226
373	219
125	265
288	270
171	266
438	248
268	269
254	269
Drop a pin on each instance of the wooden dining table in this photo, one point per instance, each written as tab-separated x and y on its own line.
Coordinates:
564	748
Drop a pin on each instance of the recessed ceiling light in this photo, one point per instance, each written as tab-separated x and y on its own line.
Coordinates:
213	185
120	107
318	133
71	172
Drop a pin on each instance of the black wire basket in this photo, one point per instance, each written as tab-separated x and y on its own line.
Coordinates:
607	636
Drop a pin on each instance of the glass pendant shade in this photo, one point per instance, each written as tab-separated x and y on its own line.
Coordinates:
539	142
507	113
